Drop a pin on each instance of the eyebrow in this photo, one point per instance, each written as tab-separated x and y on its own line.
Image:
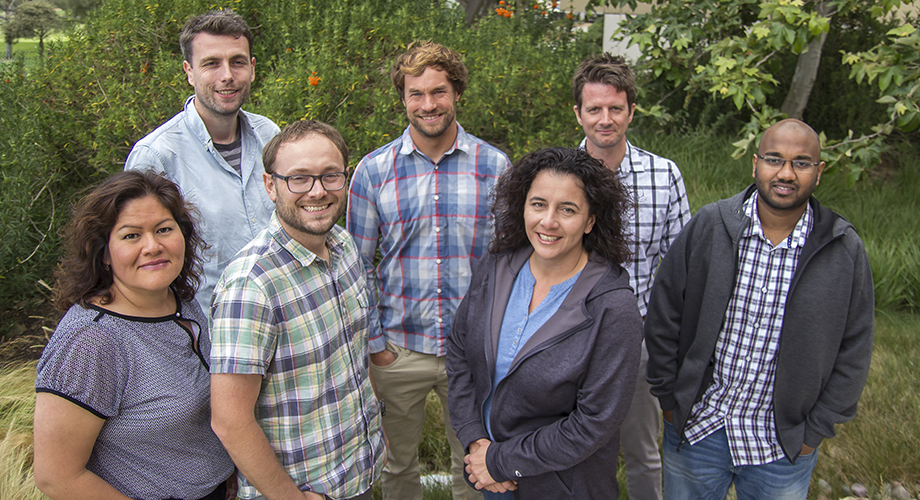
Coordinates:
803	156
131	226
566	203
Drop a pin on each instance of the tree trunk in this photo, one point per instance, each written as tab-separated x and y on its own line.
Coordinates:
9	50
472	7
806	71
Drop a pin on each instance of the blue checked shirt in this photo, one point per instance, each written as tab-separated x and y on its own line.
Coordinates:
432	222
741	395
281	312
662	211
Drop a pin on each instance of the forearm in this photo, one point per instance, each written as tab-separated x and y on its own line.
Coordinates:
253	455
79	485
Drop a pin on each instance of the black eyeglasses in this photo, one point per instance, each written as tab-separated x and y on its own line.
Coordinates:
303	183
797	165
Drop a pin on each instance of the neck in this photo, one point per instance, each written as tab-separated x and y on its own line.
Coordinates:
612	157
778	224
434	147
221	128
553	273
145	305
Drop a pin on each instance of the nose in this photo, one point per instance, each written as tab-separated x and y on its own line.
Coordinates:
317	191
428	102
786	172
152	245
225	74
549	220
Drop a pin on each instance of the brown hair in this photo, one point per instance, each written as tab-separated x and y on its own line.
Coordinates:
296	131
608	200
216	22
82	275
607	69
420	55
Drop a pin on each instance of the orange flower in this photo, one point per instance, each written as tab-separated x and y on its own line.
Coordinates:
555	4
508	13
501	2
288	49
536	6
544	13
314	81
569	15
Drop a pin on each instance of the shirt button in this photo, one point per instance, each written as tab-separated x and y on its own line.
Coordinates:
764	289
518	473
438	261
438	230
436	197
440	320
439	290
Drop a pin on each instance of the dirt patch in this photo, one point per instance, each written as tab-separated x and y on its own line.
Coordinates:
27	329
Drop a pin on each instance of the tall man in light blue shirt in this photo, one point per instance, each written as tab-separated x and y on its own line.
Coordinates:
605	101
424	199
212	149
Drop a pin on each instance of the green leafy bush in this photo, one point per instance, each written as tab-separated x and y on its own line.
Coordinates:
71	122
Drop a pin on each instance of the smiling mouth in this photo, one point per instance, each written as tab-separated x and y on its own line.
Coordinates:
316	208
226	92
548	239
156	263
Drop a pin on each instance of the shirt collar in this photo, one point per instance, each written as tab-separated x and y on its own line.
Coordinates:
197	127
462	143
631	160
304	256
795	239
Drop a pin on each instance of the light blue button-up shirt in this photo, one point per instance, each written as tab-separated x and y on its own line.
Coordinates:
234	206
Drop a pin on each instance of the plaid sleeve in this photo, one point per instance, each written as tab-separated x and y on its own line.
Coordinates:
243	339
363	222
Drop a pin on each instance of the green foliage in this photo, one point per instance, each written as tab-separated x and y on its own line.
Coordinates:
742	53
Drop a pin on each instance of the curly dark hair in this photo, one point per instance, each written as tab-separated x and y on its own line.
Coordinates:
82	275
608	200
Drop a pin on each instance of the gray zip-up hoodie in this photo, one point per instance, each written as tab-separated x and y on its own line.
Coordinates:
556	415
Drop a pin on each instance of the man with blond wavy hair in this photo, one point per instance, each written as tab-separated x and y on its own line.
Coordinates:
423	201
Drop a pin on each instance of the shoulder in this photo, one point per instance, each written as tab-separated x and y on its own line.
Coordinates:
378	159
486	153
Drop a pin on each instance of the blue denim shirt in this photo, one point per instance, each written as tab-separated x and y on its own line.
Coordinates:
234	207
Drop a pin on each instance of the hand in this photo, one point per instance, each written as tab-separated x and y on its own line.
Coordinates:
807	449
383	358
476	465
668	416
502	487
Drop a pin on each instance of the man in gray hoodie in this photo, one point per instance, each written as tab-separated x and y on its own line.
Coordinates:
759	331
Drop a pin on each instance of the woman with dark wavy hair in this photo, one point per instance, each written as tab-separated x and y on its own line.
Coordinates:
544	349
122	408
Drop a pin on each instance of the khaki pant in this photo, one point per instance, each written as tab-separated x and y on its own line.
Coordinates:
404	385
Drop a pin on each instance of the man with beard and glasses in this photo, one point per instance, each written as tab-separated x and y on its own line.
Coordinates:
212	149
759	331
291	394
423	202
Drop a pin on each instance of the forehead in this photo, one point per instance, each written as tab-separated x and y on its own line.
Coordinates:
602	94
552	184
313	154
142	207
431	78
206	45
790	141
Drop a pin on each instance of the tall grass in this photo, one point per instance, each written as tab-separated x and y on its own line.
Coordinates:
17	406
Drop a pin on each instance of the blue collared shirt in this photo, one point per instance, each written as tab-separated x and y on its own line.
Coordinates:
519	324
234	206
432	222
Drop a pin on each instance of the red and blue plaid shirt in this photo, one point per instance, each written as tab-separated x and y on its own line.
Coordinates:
432	222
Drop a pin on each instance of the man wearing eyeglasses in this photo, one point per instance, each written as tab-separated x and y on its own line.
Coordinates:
759	331
291	394
213	149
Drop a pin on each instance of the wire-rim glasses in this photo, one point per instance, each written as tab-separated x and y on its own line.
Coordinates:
797	165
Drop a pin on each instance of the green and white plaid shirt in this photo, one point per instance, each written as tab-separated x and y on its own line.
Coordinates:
302	323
